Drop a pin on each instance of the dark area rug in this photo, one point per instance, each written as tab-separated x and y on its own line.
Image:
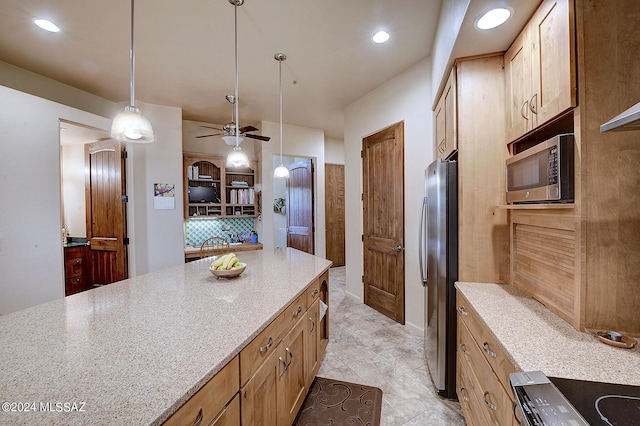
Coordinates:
332	402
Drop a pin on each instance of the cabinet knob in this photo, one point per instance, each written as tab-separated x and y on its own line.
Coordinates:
463	348
297	311
463	311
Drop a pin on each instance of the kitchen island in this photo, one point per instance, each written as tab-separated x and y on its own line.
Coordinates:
135	351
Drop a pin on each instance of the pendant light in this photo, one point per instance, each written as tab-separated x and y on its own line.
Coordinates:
281	172
237	157
130	125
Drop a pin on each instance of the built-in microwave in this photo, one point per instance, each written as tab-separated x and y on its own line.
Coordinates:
543	173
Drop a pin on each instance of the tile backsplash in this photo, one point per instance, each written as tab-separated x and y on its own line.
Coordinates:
198	230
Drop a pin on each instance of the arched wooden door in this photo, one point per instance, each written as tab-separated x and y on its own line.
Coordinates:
300	222
106	214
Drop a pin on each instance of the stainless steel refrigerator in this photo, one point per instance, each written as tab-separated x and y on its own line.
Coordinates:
438	252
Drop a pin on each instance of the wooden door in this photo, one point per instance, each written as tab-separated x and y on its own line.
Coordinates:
259	396
300	206
517	63
334	213
553	59
292	387
383	217
106	215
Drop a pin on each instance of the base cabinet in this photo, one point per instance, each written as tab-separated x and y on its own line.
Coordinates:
292	383
259	396
483	372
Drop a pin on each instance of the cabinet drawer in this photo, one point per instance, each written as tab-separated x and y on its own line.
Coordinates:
210	399
254	354
313	293
467	394
230	416
75	285
75	267
491	350
492	397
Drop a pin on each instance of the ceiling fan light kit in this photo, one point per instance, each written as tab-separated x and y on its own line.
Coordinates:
130	125
281	172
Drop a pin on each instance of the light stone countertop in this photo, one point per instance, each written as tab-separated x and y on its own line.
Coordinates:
133	352
537	339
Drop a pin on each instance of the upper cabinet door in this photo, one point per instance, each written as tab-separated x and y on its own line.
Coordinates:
517	63
540	69
553	54
446	118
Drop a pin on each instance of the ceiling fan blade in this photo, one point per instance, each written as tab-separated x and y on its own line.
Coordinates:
248	129
259	137
206	136
210	127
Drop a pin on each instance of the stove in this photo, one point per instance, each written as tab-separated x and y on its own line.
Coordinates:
619	404
558	401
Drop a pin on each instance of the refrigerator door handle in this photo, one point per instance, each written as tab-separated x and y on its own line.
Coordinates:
421	243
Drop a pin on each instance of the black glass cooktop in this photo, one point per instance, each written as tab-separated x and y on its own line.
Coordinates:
618	404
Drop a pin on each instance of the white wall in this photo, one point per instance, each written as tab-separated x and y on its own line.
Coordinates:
407	98
30	214
73	189
157	236
452	13
297	142
334	151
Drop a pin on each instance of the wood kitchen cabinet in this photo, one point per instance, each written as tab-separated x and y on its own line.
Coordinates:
540	69
232	187
582	260
446	119
278	366
76	269
483	371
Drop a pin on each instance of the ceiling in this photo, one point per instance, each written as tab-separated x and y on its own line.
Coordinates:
185	51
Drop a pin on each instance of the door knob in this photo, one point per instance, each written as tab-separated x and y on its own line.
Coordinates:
398	248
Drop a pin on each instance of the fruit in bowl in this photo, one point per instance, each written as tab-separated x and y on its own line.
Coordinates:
227	265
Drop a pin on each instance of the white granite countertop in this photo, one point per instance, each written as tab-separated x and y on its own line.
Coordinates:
133	352
537	339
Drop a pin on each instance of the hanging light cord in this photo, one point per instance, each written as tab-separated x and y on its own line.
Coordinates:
236	41
280	112
132	56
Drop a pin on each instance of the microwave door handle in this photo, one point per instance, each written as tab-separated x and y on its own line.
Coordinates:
421	243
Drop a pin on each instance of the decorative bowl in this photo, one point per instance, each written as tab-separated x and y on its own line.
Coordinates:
231	273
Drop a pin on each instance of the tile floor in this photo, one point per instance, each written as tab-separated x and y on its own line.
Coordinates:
367	347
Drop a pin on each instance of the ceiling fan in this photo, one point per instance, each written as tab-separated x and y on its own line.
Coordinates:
229	129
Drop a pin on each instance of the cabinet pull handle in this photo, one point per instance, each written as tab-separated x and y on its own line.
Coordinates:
533	105
199	418
290	356
489	404
463	392
284	366
315	292
463	311
525	103
313	325
463	348
515	413
485	348
297	311
267	346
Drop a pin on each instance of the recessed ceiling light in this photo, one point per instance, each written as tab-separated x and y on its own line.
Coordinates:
380	37
493	18
46	25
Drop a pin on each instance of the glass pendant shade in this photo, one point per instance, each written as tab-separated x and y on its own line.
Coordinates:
131	126
237	158
231	140
281	172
